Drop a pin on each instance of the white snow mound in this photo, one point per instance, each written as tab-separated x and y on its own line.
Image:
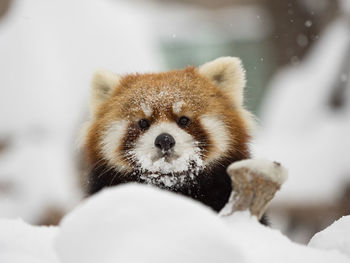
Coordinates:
264	244
134	223
336	236
138	223
21	242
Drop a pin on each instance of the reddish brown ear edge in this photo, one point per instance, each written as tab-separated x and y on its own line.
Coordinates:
102	84
228	74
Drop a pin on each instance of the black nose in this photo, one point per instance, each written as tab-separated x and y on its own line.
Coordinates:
164	141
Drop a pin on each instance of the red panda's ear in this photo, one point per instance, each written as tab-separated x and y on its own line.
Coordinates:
102	85
227	73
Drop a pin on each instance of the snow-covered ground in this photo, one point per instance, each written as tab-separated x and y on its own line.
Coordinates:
334	237
138	223
49	50
21	242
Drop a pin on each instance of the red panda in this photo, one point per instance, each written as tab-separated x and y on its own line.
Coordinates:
178	130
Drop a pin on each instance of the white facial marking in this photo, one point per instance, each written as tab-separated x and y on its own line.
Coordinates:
177	106
146	110
112	140
185	150
218	134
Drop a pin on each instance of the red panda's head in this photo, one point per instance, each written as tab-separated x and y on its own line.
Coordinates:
170	126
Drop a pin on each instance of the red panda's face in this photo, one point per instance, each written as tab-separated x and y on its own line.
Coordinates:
174	123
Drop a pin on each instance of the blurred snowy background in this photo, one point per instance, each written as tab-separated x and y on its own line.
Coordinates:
297	56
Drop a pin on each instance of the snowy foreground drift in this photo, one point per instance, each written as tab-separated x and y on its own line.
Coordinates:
137	223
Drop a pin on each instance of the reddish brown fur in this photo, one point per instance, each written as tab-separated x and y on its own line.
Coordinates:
201	97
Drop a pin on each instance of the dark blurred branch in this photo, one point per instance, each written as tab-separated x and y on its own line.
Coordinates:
4	7
296	27
341	83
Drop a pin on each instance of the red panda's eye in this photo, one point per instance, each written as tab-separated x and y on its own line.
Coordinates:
144	124
183	121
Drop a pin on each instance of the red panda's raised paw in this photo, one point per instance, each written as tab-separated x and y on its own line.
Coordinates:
254	184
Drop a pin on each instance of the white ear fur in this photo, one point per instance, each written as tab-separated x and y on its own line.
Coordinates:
102	85
227	73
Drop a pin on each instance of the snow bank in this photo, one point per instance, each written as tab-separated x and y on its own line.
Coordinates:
135	223
21	242
334	237
139	223
263	244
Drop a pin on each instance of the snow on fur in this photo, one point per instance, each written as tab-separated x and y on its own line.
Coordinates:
270	170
